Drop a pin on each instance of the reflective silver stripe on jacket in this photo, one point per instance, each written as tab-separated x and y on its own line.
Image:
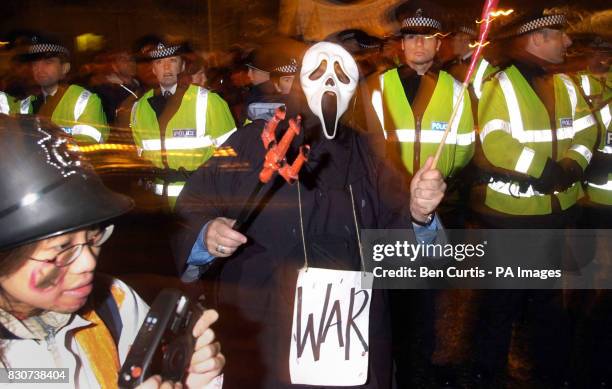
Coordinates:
524	161
586	84
4	105
201	108
408	135
512	189
584	151
605	116
84	129
186	143
477	84
87	130
24	105
173	190
457	96
606	186
377	103
81	104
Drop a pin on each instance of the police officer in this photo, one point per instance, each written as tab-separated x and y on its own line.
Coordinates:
463	43
271	69
537	138
535	126
591	309
177	127
596	85
414	103
417	98
75	109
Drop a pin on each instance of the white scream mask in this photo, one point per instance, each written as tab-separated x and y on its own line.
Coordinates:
329	78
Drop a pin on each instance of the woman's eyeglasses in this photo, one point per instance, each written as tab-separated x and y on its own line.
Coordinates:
96	238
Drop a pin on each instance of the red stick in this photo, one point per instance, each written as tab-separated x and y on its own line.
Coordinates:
485	26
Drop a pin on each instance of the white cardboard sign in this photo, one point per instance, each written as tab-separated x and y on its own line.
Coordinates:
330	331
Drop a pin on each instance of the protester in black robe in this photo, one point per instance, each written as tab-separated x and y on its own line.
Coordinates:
256	284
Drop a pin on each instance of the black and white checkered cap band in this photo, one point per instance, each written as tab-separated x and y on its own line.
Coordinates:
421	22
543	22
44	48
468	30
162	51
289	68
364	45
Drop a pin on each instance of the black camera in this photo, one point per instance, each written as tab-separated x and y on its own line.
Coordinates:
164	344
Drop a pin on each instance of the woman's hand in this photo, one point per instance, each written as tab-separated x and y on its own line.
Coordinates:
155	382
207	360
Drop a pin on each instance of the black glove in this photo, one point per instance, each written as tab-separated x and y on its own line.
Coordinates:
599	168
550	178
572	173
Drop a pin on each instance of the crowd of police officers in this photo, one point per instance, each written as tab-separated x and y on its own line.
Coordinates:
530	147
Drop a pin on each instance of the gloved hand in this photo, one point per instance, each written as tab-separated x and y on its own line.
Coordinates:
572	173
551	176
599	168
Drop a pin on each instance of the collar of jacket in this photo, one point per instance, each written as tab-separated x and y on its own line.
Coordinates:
34	327
529	65
406	72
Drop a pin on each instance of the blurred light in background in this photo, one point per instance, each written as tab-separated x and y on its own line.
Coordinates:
89	42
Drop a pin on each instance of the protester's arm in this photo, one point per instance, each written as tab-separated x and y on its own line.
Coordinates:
208	196
427	234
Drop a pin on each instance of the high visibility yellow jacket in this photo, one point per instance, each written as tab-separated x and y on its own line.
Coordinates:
201	123
8	104
483	70
78	112
516	135
598	91
424	134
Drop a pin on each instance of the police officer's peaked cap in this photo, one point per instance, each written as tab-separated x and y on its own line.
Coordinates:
46	188
277	57
44	46
419	17
467	29
355	40
520	23
165	50
590	43
286	68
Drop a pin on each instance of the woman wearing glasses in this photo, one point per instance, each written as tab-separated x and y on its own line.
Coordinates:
54	313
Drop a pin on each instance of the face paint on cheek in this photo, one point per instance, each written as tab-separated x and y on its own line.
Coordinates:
45	277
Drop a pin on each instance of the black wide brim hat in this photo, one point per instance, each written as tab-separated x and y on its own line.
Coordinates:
45	189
